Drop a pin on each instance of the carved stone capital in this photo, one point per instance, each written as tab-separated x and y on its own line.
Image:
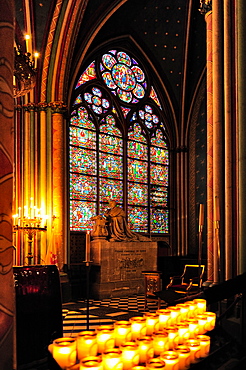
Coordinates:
205	6
30	107
42	106
58	107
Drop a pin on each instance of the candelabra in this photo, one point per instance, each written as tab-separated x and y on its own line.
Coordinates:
30	226
24	73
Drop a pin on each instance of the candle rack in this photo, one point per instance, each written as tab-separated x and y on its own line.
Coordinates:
30	226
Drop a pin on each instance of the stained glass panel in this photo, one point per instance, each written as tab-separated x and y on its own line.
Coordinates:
110	189
137	193
153	96
137	150
83	187
138	219
159	175
159	139
80	215
83	119
159	155
136	134
89	74
110	166
137	171
83	160
159	220
110	144
109	127
158	196
82	137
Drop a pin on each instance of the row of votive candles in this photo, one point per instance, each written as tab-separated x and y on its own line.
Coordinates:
170	339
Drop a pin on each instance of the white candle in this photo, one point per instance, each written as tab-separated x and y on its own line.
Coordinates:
145	349
205	344
122	331
87	246
138	327
86	344
195	349
160	342
152	320
105	337
64	351
130	355
184	357
111	359
91	362
171	359
164	318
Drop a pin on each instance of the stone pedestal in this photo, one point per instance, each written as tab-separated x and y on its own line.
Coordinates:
117	267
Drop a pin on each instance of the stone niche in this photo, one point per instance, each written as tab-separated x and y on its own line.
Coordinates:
117	267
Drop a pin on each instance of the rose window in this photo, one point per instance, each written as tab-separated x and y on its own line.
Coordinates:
96	101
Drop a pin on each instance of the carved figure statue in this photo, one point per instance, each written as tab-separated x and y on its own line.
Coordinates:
117	225
99	230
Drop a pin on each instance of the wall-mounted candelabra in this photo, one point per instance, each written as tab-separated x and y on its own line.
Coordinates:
31	222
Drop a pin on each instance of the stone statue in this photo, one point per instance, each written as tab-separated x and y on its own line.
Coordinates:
117	225
99	230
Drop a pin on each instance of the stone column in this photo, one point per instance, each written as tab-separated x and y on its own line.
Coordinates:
218	179
59	180
241	92
7	352
210	224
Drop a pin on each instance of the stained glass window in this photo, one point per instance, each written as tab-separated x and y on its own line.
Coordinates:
118	145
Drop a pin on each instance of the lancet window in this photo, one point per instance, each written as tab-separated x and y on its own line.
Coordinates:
118	146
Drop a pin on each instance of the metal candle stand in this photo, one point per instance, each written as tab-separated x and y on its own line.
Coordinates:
88	263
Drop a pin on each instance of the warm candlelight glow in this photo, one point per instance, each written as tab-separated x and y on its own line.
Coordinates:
175	314
138	327
91	362
111	359
184	309
183	330
201	305
36	56
86	344
192	308
130	355
171	359
152	320
64	351
211	320
173	336
160	342
193	327
205	344
164	318
195	349
145	349
184	357
202	322
28	40
105	337
122	331
155	363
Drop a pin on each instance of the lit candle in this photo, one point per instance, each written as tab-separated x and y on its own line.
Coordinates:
183	330
87	246
205	344
201	217
36	55
201	305
171	359
145	349
64	351
195	349
111	359
175	314
155	363
28	40
202	321
86	344
173	336
122	331
211	320
184	309
138	327
193	327
160	342
192	307
130	355
152	320
91	362
184	356
105	337
164	318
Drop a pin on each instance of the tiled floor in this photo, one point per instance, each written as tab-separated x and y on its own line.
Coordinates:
103	312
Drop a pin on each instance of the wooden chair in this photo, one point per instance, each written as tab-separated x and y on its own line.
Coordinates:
189	282
152	284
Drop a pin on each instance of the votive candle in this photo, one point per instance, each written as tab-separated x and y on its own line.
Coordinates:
195	349
112	360
202	322
193	327
171	359
64	351
122	330
211	320
184	356
173	336
183	332
201	305
130	355
205	344
145	349
155	363
86	344
164	318
152	320
91	362
175	314
160	342
105	337
138	327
